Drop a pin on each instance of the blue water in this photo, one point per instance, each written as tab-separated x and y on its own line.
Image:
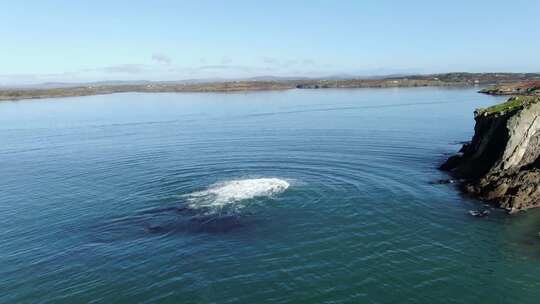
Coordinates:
301	196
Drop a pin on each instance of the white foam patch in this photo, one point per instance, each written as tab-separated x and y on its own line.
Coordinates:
233	193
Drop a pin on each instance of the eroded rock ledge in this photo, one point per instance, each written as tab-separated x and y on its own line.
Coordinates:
521	88
501	164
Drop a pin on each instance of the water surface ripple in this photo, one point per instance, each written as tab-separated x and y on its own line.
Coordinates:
271	197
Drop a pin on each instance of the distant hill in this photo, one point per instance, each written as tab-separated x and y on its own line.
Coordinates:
49	90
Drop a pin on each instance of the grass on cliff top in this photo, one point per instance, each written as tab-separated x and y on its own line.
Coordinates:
514	103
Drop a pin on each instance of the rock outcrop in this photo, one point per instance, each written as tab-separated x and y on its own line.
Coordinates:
502	162
521	88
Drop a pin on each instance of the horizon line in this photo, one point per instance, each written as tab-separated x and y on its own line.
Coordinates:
337	76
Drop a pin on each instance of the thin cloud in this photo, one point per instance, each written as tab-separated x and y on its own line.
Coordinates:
223	67
270	60
124	69
227	67
162	59
287	63
226	60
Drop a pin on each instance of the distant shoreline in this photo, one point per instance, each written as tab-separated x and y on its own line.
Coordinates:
433	80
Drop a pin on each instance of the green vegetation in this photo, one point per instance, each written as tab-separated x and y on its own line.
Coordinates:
512	104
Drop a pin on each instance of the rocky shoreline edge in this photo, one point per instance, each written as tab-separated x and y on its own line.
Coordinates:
501	164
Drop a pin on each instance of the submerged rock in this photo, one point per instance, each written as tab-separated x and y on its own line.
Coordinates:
443	182
501	164
477	213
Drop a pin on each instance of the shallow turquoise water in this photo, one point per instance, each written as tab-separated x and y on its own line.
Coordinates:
131	198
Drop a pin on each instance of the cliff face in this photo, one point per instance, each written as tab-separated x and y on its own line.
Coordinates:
501	164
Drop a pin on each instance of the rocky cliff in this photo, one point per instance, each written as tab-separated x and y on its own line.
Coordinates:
501	164
520	88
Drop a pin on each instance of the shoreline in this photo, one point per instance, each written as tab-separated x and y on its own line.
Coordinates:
501	163
435	80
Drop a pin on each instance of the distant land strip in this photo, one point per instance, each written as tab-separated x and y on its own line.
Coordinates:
432	80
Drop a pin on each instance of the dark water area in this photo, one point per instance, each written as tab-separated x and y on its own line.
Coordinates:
301	196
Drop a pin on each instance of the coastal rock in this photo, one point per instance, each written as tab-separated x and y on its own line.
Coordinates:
502	162
521	88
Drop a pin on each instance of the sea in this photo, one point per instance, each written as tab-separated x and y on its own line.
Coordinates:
297	196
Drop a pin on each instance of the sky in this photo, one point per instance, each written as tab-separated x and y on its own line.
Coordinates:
77	41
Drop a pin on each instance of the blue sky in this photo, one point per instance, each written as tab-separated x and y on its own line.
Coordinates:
170	40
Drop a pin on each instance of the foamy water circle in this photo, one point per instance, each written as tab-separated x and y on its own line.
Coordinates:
235	192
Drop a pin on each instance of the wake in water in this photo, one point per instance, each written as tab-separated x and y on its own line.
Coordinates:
235	194
214	210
